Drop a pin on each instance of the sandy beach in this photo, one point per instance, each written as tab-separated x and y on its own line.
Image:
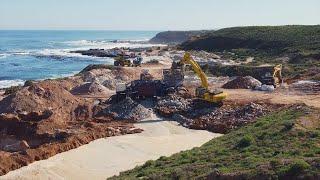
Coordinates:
107	157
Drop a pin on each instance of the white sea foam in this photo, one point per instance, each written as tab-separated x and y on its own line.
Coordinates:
80	45
4	55
86	44
56	52
9	83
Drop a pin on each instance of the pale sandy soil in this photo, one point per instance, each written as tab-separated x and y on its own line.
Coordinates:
281	97
107	157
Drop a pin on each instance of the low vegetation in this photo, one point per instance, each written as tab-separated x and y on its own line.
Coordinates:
297	47
175	37
282	145
262	40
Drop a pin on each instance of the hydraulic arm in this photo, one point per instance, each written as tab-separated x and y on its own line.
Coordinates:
203	91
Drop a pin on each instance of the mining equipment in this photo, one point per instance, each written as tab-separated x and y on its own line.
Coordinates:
203	92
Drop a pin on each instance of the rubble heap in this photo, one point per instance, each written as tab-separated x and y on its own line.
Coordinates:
199	114
172	104
246	82
127	109
223	120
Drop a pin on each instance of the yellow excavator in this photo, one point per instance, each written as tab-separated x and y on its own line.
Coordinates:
273	78
203	92
277	75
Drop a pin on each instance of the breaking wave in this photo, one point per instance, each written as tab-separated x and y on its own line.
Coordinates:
4	55
9	83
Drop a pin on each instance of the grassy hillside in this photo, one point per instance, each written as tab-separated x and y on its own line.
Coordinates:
175	37
283	145
297	41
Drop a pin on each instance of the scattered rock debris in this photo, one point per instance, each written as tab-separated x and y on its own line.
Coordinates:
126	109
224	119
172	104
306	87
198	114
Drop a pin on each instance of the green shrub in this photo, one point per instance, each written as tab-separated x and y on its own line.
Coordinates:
314	134
297	167
288	125
28	83
275	163
148	163
246	141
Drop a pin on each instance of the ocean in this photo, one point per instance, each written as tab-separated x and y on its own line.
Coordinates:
36	55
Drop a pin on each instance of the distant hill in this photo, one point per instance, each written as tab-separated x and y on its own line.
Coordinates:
175	37
297	40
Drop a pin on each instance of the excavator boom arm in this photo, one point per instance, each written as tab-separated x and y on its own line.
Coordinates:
187	59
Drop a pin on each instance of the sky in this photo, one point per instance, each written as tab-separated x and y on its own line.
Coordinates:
154	14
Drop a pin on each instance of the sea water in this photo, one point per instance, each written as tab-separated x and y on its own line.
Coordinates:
35	55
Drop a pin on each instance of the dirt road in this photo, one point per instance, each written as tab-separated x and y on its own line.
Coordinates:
107	157
281	97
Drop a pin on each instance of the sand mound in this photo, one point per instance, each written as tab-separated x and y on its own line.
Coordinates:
246	82
92	88
127	109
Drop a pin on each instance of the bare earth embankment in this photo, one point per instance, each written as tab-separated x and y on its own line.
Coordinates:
109	156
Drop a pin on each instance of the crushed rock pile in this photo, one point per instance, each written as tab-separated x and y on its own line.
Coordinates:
198	114
172	104
127	109
91	88
246	82
222	120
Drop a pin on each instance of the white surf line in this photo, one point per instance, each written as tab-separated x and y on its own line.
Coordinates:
107	157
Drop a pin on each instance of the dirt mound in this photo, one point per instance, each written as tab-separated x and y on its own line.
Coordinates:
44	119
42	97
91	88
246	82
127	109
